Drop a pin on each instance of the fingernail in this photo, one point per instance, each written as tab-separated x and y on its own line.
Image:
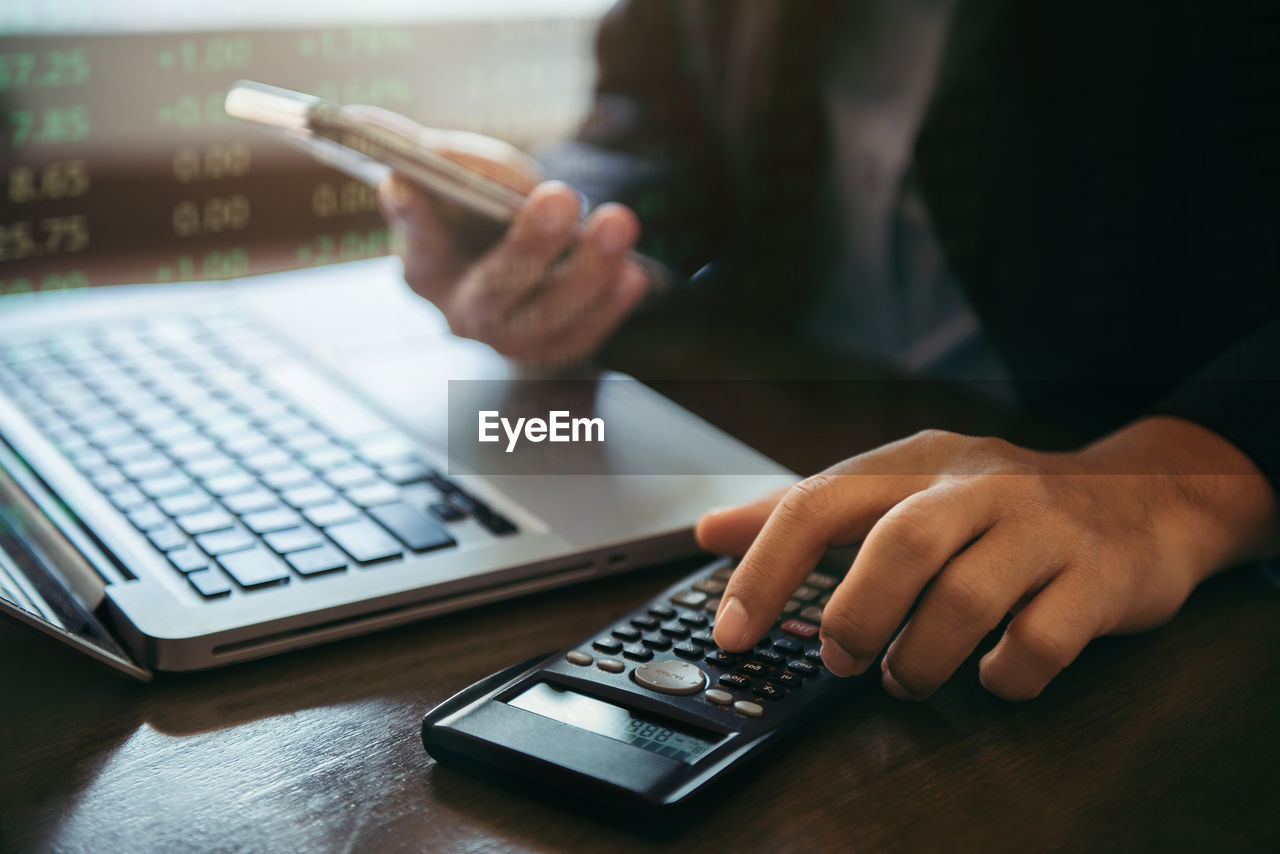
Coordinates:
556	215
731	624
891	686
613	235
838	661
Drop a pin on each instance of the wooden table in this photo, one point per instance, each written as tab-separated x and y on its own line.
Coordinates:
1164	740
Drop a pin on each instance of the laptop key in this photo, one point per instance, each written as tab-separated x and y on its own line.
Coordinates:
250	502
293	540
404	473
412	527
289	477
184	503
447	512
169	484
188	559
309	495
317	561
231	483
364	541
323	515
147	517
205	521
351	476
277	519
167	537
373	495
209	583
255	567
219	543
127	498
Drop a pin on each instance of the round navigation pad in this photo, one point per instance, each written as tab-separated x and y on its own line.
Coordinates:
670	677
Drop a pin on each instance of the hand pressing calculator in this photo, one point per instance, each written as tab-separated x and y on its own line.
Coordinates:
645	717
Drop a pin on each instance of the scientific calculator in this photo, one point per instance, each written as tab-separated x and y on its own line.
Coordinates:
647	716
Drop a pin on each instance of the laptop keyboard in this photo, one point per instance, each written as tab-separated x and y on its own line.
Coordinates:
178	422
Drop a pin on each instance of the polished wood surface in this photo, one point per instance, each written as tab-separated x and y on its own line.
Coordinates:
1164	740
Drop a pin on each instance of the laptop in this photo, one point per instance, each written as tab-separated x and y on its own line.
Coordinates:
194	475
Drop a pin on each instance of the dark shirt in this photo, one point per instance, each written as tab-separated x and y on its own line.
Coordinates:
1101	175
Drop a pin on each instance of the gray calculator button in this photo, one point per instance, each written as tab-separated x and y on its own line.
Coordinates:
715	695
611	665
805	593
689	598
724	573
710	586
670	677
813	614
791	607
712	605
579	658
751	710
821	580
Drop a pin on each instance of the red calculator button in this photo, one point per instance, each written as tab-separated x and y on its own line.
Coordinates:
799	629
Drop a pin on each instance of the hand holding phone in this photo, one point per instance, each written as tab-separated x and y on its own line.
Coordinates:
506	256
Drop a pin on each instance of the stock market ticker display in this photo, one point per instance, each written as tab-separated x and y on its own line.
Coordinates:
118	163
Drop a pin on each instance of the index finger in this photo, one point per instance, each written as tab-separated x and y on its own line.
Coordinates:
832	508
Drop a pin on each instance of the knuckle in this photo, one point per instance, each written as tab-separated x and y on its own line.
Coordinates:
1041	644
934	437
905	534
966	598
809	500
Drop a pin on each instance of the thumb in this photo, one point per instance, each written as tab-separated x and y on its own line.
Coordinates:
732	530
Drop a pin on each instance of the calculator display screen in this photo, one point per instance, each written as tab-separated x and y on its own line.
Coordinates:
644	731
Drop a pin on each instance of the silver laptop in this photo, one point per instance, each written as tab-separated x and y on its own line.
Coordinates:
193	475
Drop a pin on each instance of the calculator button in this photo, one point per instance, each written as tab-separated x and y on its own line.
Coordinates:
733	680
645	623
751	710
703	638
675	630
611	665
709	586
715	695
608	645
812	614
804	668
663	612
696	621
579	658
770	691
752	668
689	598
805	593
724	573
788	680
791	607
670	677
656	642
721	658
799	629
627	634
824	599
712	605
769	657
689	651
821	580
788	647
637	653
814	655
